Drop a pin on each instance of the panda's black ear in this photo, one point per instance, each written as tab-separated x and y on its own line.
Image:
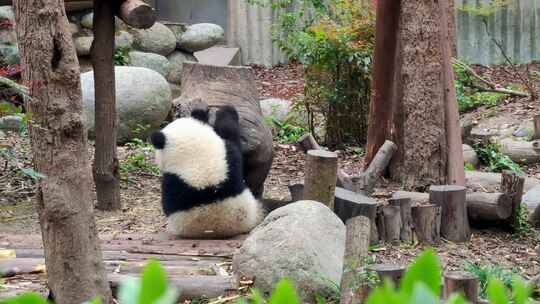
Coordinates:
158	139
200	114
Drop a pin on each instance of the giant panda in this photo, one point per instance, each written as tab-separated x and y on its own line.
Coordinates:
203	190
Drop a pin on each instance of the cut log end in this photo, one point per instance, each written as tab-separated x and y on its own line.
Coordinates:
393	272
137	14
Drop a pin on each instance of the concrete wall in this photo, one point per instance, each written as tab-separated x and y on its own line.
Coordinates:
516	26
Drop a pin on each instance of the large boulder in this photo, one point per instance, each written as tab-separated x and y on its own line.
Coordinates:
275	108
303	241
151	61
157	39
470	156
200	36
177	60
123	39
83	45
143	98
11	123
9	51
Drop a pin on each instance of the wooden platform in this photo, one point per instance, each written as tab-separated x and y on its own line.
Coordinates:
199	268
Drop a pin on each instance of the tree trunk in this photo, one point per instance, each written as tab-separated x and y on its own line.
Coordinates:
392	224
59	145
405	205
384	67
419	117
106	174
427	223
512	185
320	177
461	282
536	121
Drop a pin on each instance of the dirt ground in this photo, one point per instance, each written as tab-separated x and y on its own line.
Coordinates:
141	211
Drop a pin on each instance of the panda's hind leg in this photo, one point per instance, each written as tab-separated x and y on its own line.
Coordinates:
227	124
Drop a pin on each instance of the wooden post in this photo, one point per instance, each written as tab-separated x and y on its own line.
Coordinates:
536	127
462	282
356	249
454	220
384	67
137	14
320	177
349	204
427	223
394	272
512	185
405	205
297	192
392	223
106	174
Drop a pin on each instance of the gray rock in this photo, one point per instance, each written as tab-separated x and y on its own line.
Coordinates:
10	54
87	21
304	241
143	97
151	61
123	39
532	197
177	60
11	123
74	28
201	36
470	156
178	29
7	13
2	135
276	108
158	39
176	90
83	45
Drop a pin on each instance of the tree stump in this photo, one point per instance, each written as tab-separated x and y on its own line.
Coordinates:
405	205
454	220
512	185
215	86
297	192
461	282
356	249
393	272
349	204
427	223
392	223
137	14
320	177
536	127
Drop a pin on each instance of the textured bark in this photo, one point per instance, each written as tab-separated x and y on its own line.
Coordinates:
427	223
405	205
137	14
356	249
384	68
512	185
392	223
454	220
59	146
454	150
106	173
524	152
461	282
419	115
536	127
349	204
320	177
215	86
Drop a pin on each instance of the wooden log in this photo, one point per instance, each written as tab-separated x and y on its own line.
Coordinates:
393	272
536	121
356	249
524	152
379	221
137	14
488	206
427	223
191	287
392	223
307	142
481	206
454	220
349	204
320	177
512	185
461	282
491	181
216	86
405	205
297	192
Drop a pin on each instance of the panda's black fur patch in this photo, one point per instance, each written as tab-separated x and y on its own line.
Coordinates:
158	139
177	195
200	114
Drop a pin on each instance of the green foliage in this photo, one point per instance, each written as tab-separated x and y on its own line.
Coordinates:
488	272
524	227
469	98
491	156
484	9
121	56
286	132
469	167
137	160
334	40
